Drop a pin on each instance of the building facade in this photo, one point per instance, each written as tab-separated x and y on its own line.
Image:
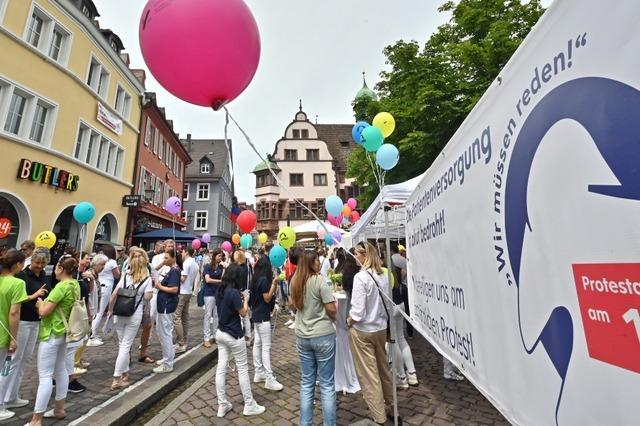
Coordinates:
310	161
159	174
208	189
69	119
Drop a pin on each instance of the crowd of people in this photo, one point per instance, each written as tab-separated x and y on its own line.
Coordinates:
239	291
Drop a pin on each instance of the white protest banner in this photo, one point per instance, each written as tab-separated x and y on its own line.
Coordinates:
111	121
523	237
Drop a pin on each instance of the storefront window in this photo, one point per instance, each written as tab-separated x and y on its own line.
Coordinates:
9	223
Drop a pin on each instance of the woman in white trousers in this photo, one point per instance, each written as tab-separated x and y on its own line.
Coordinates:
107	278
230	339
53	349
36	285
127	326
262	292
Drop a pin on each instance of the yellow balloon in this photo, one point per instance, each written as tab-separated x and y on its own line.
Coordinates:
235	239
287	237
262	238
46	239
385	122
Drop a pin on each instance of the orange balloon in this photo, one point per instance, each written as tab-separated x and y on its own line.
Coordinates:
346	211
235	238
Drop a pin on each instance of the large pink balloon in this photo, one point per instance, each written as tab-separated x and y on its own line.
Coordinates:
205	52
352	202
226	246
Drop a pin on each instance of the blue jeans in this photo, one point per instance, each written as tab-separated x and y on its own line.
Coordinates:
317	358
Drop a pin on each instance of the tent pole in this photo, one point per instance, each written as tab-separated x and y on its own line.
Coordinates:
392	312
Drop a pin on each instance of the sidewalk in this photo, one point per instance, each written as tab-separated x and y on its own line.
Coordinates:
99	376
434	402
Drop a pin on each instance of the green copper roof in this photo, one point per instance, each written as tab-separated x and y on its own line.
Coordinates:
365	92
263	166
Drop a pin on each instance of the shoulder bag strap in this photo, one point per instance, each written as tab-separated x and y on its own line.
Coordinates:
379	293
59	310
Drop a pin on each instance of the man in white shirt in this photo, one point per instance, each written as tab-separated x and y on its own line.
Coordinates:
325	265
181	316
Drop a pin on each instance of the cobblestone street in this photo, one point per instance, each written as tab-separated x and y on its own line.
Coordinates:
434	402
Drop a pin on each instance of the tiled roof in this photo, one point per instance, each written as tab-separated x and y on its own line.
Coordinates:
213	149
334	135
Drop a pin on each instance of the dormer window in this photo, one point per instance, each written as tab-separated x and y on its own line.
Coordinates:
296	133
305	134
114	45
205	168
86	12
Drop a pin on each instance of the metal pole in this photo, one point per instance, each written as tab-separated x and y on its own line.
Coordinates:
392	312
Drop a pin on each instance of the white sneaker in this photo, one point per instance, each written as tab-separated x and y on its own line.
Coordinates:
412	378
160	361
95	342
253	410
163	369
292	326
16	403
79	370
289	322
6	414
223	409
273	385
179	349
401	383
259	378
454	376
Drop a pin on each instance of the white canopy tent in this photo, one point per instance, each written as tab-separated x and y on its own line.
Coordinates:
311	227
372	222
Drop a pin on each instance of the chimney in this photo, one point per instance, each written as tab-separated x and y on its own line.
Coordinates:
140	75
125	59
189	141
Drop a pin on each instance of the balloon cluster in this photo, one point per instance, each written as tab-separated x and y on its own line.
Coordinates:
339	213
372	139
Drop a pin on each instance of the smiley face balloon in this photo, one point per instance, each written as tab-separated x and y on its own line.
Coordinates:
287	237
46	239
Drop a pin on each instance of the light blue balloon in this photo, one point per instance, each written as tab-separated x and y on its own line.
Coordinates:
334	205
246	241
277	256
387	156
328	239
356	132
371	138
84	212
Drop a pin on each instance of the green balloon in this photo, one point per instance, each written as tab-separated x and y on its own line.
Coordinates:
246	241
372	138
287	237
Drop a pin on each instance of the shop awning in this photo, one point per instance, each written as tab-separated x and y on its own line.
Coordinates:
166	234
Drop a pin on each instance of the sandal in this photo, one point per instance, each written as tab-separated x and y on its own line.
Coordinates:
146	360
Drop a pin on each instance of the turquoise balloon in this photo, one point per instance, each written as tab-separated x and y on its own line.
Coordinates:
371	138
328	239
334	205
387	156
84	212
246	241
277	256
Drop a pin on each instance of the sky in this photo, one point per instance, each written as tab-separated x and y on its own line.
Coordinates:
311	50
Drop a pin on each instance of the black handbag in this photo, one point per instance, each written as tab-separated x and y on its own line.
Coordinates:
126	305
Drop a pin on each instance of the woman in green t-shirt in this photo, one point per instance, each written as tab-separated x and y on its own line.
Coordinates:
53	345
12	293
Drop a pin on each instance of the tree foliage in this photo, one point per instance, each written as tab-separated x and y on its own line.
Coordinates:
431	90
